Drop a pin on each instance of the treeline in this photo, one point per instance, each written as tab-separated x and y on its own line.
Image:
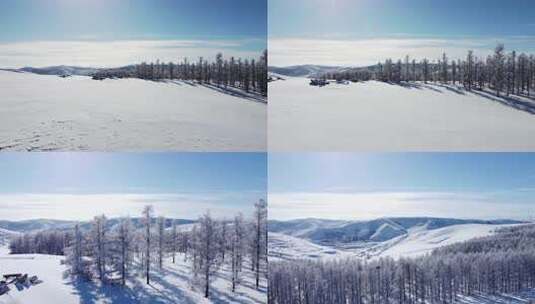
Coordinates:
504	73
248	75
112	254
502	263
45	242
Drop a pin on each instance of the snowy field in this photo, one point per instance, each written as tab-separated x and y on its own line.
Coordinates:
168	286
418	241
43	113
375	116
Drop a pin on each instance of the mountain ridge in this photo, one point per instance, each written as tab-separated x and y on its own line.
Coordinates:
377	230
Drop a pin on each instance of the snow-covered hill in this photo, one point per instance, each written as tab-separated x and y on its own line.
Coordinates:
377	116
394	237
43	113
35	224
45	224
378	230
61	70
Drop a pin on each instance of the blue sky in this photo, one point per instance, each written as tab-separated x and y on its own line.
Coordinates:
81	185
464	185
236	27
388	27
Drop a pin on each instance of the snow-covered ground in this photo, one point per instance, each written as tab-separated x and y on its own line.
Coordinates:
376	116
42	113
418	241
524	297
170	285
286	247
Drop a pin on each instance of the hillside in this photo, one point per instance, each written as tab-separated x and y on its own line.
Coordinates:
50	113
378	230
495	267
385	237
378	116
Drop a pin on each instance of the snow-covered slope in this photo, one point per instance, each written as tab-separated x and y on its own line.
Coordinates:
286	247
42	113
323	231
170	285
393	237
303	227
421	240
376	116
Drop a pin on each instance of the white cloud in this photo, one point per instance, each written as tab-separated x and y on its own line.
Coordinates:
115	53
370	205
369	51
86	206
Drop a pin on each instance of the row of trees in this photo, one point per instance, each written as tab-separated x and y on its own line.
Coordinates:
504	73
249	75
503	263
113	253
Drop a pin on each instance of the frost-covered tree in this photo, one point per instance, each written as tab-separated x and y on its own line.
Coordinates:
125	238
161	241
425	64
498	78
173	239
444	68
147	220
99	245
259	241
237	249
502	263
207	251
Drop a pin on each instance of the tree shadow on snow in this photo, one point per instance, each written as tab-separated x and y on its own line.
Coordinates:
170	292
219	297
236	93
453	89
509	101
419	86
136	292
497	299
225	298
90	292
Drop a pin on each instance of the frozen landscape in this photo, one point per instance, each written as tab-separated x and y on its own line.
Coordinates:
387	237
83	262
421	260
170	286
51	113
379	116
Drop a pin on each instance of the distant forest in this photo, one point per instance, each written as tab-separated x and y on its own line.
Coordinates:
245	74
504	73
503	263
